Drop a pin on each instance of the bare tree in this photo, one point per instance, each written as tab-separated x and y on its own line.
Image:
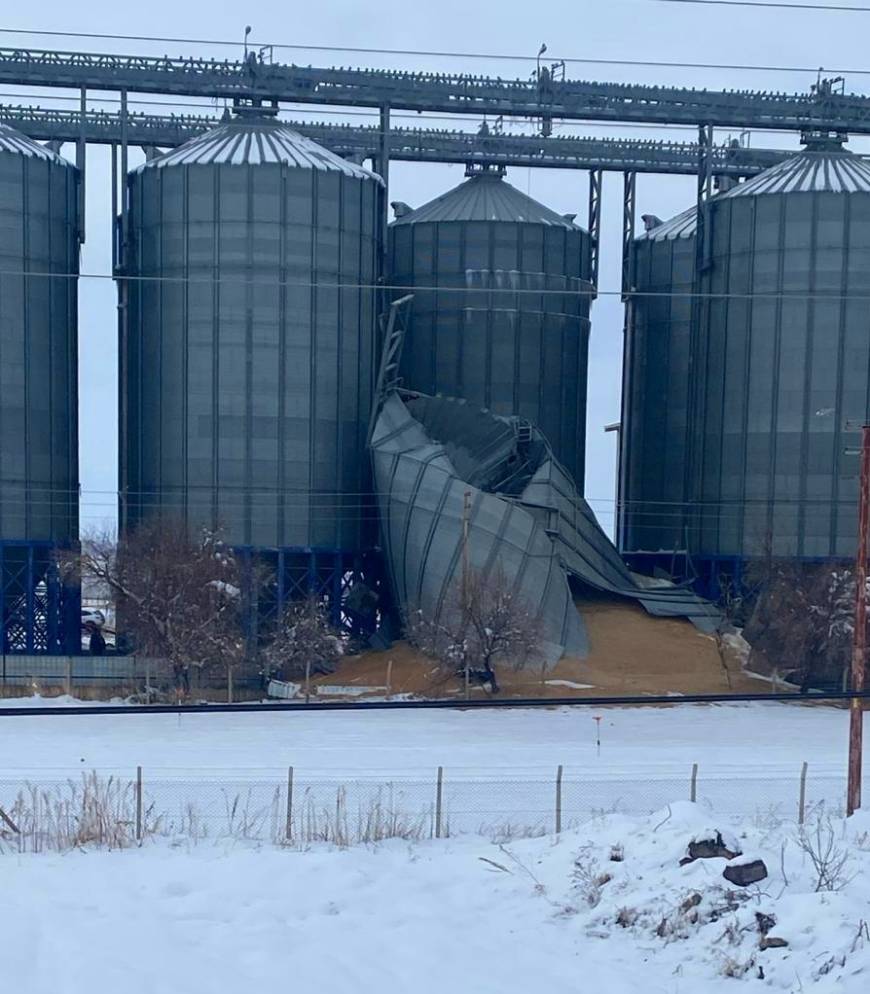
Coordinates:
485	623
177	593
304	642
803	619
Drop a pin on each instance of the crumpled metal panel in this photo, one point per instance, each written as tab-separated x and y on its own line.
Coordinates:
526	517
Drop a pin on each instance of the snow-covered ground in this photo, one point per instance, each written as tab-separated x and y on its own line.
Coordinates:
499	767
744	738
451	915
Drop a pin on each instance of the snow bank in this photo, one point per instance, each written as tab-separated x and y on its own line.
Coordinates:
608	904
60	701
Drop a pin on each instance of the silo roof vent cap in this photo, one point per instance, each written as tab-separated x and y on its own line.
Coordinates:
400	208
651	222
485	170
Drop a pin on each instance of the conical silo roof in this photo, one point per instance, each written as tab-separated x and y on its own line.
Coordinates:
13	141
806	172
810	172
486	196
682	225
256	140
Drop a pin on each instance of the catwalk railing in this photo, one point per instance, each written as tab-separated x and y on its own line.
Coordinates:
57	809
540	96
406	144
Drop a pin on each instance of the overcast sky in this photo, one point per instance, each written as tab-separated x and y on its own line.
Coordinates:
645	30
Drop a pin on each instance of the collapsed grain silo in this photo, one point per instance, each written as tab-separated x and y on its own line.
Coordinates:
500	315
772	363
250	263
39	265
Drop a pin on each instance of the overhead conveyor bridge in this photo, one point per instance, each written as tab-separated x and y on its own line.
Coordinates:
542	97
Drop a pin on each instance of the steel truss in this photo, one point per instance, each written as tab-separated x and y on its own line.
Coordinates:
327	576
405	144
38	613
542	97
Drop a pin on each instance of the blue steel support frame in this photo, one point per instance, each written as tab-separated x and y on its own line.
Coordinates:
705	573
298	572
38	613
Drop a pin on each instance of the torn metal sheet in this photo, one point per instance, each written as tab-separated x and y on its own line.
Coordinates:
526	518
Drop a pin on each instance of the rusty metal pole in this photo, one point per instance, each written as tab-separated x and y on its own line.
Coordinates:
466	518
859	649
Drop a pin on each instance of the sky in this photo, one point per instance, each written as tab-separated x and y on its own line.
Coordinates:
632	30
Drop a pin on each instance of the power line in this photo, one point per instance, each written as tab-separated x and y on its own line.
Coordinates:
496	292
237	492
424	53
765	3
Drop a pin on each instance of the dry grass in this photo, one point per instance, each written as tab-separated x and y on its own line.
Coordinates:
94	811
102	812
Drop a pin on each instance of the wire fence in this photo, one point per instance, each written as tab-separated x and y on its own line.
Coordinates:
295	808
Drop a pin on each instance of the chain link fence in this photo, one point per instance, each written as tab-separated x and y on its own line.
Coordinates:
295	808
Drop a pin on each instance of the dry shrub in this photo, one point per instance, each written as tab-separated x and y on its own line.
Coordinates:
828	859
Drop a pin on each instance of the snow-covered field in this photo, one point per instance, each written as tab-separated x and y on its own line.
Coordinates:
450	915
648	741
499	767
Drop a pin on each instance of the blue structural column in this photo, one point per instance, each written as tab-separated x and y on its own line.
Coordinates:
3	646
39	614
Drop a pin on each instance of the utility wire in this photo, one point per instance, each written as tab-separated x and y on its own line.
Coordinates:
203	493
765	3
497	292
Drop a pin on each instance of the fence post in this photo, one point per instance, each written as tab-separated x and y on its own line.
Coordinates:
68	676
802	800
139	804
559	800
288	828
693	790
438	794
389	679
229	683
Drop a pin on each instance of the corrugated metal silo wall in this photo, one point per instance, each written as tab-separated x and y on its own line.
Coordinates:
250	359
511	351
656	396
38	349
783	353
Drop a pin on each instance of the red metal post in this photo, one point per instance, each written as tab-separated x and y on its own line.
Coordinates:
859	650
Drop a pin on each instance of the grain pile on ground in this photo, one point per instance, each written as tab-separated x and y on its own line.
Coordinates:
634	653
630	653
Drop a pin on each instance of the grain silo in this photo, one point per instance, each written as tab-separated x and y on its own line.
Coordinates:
656	386
39	263
506	326
779	361
249	352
